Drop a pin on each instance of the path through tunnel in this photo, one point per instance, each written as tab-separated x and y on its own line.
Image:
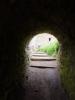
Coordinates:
42	74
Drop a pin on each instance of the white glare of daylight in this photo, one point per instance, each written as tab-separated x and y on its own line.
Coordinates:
40	39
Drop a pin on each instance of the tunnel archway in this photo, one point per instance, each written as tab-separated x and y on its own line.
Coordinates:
43	47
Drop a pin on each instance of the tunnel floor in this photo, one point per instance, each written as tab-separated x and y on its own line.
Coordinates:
43	79
43	83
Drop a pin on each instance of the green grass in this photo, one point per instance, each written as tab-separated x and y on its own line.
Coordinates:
50	48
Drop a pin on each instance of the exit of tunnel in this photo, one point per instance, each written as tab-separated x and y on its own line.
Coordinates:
43	50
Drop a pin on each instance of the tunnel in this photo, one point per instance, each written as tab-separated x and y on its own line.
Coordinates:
18	24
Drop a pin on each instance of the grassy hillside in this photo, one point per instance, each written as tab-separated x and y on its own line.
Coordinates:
50	48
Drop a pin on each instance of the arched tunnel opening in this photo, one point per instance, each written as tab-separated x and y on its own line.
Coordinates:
42	49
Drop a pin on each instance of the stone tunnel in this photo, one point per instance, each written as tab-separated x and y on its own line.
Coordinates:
19	22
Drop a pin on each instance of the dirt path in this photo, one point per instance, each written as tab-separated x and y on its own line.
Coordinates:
43	84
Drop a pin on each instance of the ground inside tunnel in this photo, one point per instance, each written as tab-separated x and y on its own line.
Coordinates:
43	84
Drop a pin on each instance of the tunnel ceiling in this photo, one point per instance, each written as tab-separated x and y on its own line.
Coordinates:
46	13
29	15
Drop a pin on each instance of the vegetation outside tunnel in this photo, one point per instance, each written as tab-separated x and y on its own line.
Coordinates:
50	48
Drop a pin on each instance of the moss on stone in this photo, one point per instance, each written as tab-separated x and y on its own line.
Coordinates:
68	69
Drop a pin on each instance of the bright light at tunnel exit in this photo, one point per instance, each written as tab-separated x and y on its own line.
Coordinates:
44	42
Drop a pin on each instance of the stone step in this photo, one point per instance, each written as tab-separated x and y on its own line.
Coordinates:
45	58
44	64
